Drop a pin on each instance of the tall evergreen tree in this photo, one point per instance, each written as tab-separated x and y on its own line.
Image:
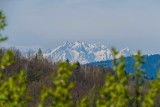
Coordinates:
39	54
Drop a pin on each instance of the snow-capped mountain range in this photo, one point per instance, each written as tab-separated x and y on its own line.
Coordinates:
77	51
83	52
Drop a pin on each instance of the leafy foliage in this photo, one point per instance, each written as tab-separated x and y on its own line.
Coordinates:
2	25
61	95
114	93
152	93
13	91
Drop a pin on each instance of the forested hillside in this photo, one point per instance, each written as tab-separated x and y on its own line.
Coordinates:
149	68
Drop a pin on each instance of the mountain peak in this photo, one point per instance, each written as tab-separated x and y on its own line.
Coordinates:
83	52
125	49
125	52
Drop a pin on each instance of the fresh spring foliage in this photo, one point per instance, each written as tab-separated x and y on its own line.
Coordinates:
13	91
61	94
114	93
2	25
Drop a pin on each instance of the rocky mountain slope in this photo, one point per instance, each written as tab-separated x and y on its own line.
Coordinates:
83	52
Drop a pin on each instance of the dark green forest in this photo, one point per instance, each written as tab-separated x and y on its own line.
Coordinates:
34	81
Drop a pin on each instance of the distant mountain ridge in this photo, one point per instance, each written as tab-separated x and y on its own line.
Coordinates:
83	52
77	51
150	67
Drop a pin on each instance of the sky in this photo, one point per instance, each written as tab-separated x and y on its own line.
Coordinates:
115	23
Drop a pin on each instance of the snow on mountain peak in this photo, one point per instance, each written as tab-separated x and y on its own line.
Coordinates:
125	52
83	52
77	51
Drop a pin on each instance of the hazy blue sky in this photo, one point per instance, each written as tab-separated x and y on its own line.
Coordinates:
49	23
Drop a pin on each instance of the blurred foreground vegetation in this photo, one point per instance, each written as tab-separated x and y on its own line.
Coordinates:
34	81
